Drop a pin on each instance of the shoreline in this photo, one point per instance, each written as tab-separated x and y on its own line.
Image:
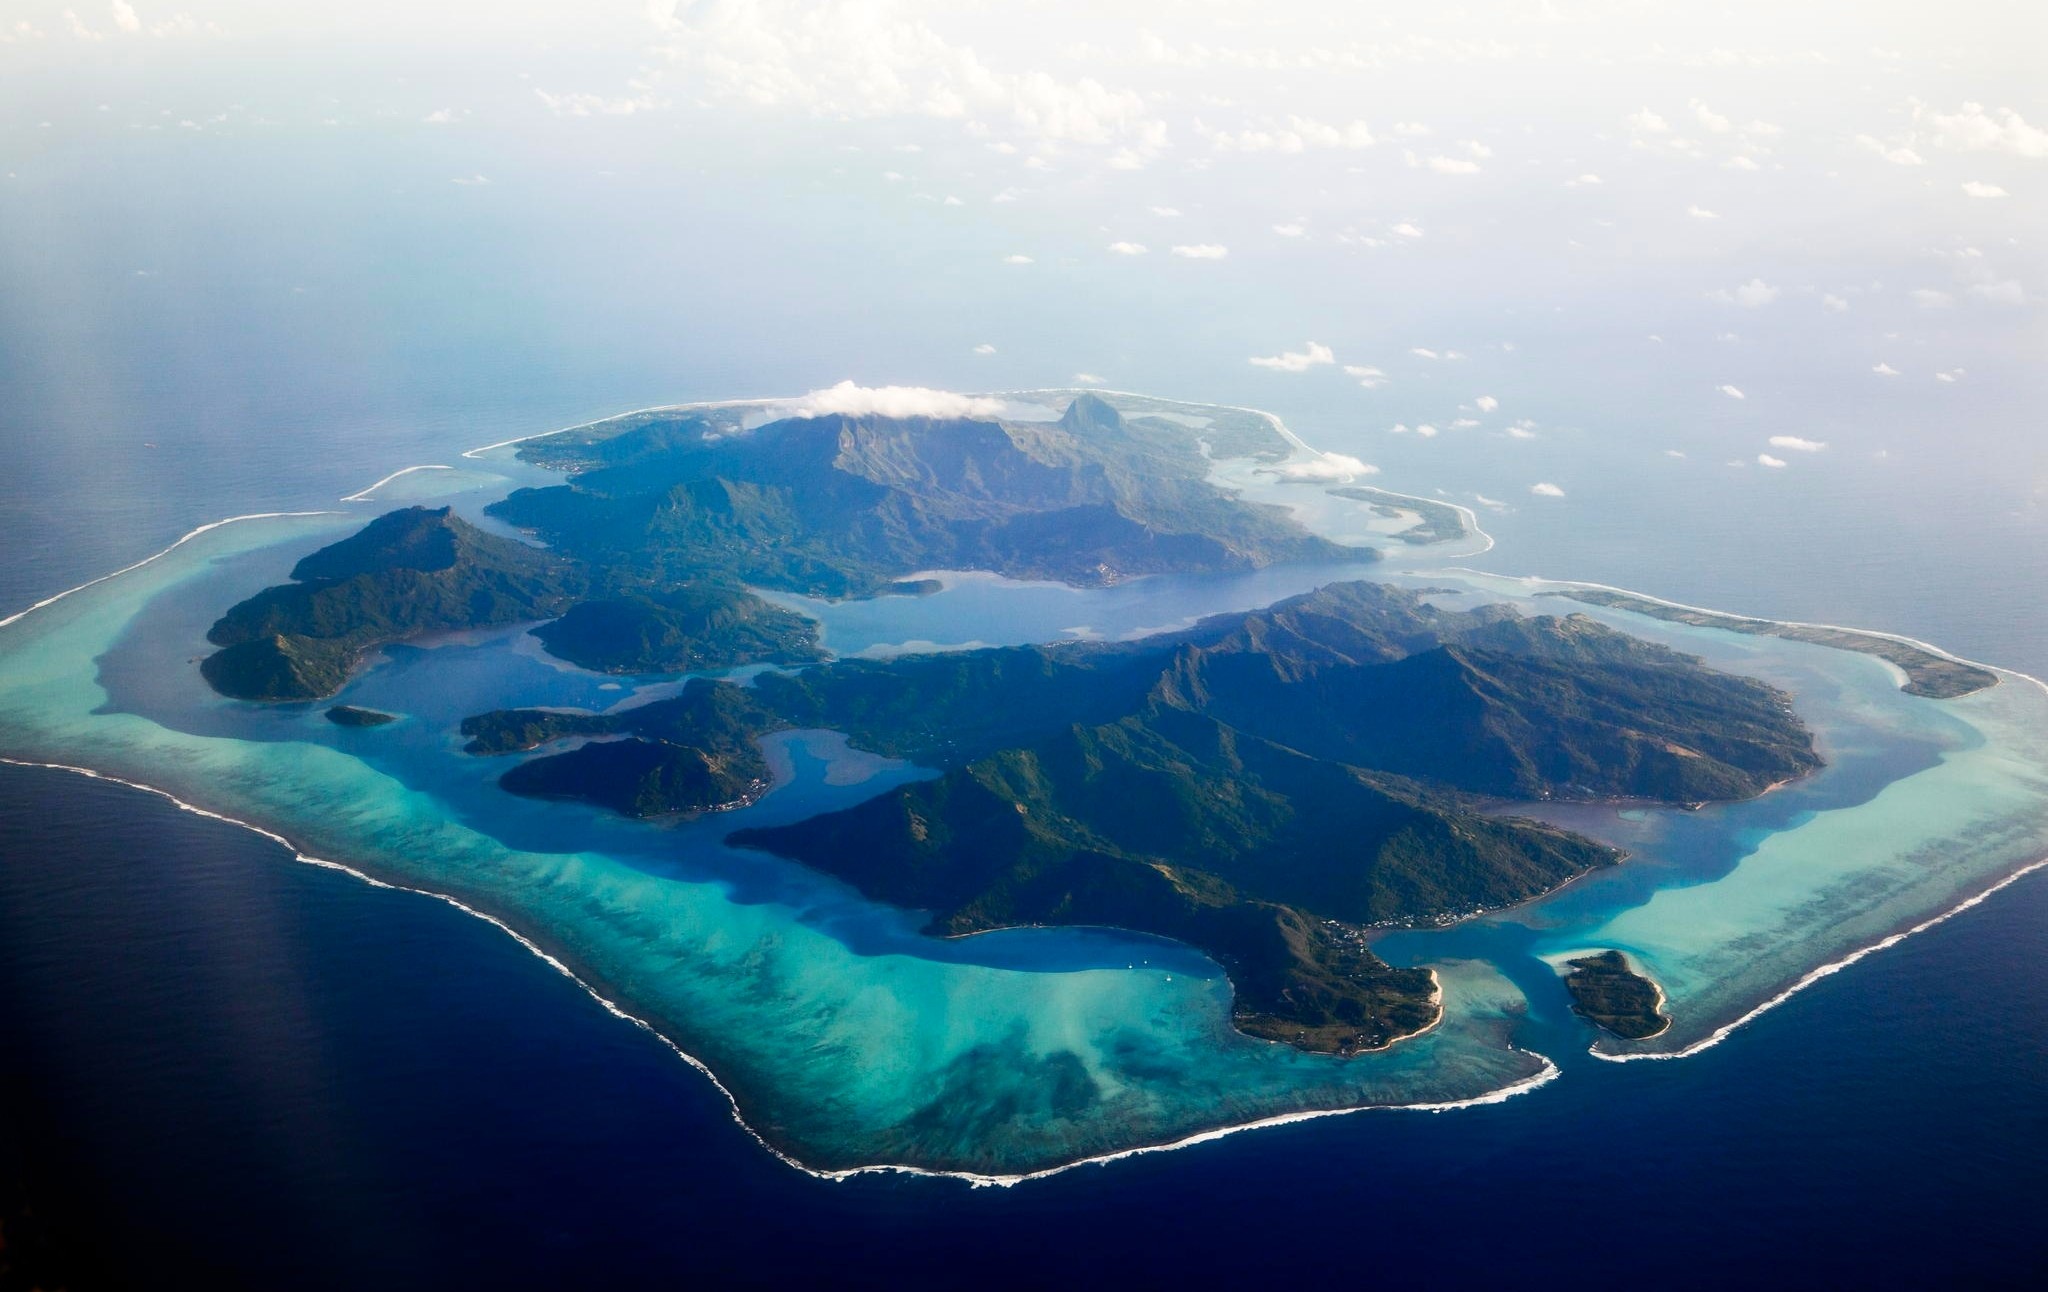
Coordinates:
1812	976
363	495
1549	1071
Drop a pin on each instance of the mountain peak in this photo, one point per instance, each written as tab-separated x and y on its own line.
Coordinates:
1091	412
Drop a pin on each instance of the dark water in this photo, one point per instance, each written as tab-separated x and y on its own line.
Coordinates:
223	1069
251	1073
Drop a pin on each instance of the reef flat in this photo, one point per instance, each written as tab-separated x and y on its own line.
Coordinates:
851	1033
1928	672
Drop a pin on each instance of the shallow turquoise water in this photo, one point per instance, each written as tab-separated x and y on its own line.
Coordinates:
845	1038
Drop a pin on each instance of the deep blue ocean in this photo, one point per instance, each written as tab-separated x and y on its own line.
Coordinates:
229	1070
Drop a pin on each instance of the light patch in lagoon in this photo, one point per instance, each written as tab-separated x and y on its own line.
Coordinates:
846	1043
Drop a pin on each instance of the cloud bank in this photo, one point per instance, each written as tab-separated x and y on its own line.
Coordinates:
891	401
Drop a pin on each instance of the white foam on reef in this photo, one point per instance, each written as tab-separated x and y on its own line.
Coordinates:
1547	1073
1543	1076
1813	976
1833	967
209	526
363	495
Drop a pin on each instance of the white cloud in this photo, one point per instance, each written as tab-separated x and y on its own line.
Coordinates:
984	349
1752	295
1017	258
1545	489
598	105
1739	162
865	60
2008	292
892	401
1201	251
1452	165
1089	379
1166	212
1674	453
1896	154
1520	432
1975	130
1370	378
1406	230
1424	352
1975	188
1950	376
1765	459
470	181
125	17
1299	134
1426	431
1128	248
445	116
1929	299
1796	444
1885	370
1296	360
1290	230
1834	303
1647	122
1587	180
1731	392
1713	122
1699	212
1327	466
1486	403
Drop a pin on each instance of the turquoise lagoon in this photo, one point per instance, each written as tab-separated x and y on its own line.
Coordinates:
847	1040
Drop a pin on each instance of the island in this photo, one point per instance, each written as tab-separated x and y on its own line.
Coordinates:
1928	672
1440	522
1269	786
645	558
348	715
1608	992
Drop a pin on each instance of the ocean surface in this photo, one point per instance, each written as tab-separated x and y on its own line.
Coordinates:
256	1073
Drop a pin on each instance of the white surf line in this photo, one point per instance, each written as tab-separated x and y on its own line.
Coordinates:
1549	1072
482	449
1543	1076
363	495
1813	976
210	525
1471	518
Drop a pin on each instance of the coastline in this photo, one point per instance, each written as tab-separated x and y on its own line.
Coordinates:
1547	1072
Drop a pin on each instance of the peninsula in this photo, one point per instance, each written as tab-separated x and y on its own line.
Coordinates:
1268	787
652	544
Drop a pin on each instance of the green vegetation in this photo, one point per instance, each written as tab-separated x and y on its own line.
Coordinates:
844	506
1441	522
1265	786
668	515
1927	673
692	627
348	715
1609	993
404	574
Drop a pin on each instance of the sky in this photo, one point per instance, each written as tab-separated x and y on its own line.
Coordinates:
1780	236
